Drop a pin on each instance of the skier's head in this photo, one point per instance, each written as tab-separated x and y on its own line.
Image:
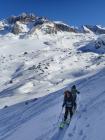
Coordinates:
74	87
67	93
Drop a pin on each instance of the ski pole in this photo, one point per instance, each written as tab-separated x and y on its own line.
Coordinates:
60	115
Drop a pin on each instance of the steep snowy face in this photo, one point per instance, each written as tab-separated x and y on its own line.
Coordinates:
97	29
84	29
44	27
19	28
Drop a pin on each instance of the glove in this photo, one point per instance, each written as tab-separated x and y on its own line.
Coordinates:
78	92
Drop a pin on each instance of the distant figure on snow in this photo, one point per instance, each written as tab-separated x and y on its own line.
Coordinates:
74	92
68	104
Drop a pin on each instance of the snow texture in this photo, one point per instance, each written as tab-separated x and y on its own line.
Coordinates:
35	71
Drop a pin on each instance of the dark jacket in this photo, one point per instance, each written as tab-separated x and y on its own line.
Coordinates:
68	101
74	92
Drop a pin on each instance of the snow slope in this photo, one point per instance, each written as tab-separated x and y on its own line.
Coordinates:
39	119
34	73
32	68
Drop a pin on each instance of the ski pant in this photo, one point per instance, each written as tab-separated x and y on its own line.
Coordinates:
67	111
75	105
74	101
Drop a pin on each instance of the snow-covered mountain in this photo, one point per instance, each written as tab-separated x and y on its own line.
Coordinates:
29	24
39	59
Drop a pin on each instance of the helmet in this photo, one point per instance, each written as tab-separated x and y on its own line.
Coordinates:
74	86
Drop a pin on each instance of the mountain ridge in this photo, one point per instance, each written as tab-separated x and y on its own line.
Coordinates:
29	24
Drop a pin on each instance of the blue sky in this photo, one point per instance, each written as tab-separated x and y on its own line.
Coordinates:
73	12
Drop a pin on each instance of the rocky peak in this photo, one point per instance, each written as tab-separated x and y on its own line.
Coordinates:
24	18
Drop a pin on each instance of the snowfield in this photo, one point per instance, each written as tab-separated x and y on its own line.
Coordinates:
35	71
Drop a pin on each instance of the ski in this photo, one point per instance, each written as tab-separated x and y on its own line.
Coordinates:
63	123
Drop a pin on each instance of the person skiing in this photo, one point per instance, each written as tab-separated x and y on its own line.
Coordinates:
74	92
68	104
